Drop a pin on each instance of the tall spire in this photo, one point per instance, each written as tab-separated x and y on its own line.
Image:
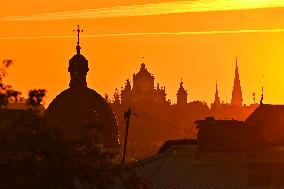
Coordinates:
217	98
237	98
78	48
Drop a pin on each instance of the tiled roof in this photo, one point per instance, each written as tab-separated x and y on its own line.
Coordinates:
172	170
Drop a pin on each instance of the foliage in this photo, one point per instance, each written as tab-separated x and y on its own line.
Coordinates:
107	98
32	155
7	94
36	98
116	96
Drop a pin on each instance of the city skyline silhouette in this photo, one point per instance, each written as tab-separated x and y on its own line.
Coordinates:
186	44
144	94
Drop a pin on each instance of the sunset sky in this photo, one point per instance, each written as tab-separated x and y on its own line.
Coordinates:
197	40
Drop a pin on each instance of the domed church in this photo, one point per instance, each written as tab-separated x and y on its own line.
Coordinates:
80	109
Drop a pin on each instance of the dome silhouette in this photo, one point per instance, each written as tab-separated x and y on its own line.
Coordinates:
79	109
75	111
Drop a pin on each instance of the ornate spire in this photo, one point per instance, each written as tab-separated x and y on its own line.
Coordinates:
237	90
78	48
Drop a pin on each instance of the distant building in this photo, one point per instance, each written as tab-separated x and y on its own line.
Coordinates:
153	112
143	90
226	154
181	95
236	109
227	135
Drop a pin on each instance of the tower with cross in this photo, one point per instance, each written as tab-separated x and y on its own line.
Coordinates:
78	66
79	109
78	30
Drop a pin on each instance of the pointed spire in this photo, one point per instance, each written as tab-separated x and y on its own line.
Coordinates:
237	90
217	98
237	68
78	30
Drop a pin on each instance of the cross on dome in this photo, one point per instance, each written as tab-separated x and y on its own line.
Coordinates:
78	30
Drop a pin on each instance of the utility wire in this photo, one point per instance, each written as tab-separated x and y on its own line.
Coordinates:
147	116
161	124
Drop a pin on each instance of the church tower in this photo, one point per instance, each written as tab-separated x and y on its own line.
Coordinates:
181	95
78	67
217	100
80	111
237	98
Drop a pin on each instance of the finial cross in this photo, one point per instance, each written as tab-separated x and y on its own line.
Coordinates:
78	35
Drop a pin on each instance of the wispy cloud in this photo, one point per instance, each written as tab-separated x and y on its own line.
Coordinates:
279	30
153	9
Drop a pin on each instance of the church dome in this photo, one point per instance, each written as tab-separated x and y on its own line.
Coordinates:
143	72
80	110
74	111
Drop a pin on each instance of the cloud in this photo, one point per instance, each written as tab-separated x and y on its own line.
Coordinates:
152	9
279	30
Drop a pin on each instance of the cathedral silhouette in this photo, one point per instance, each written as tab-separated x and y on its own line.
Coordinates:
143	89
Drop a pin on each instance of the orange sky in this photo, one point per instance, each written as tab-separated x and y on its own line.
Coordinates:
199	58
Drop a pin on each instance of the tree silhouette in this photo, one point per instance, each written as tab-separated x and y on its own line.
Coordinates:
116	96
7	94
107	98
33	155
36	98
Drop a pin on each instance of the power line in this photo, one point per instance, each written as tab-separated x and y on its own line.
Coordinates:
180	131
147	116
